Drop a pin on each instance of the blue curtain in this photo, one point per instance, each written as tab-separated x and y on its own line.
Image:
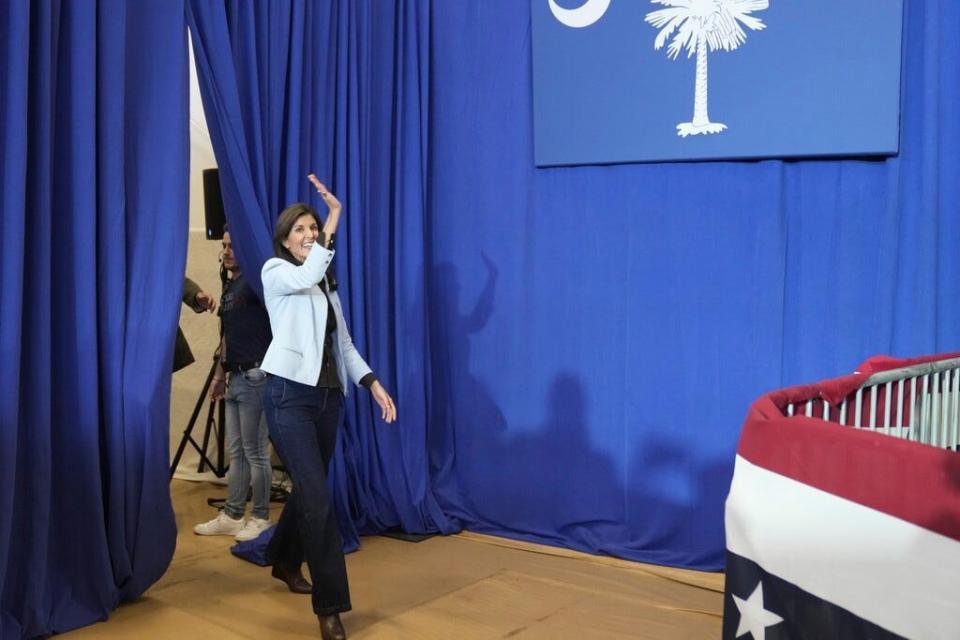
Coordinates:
296	87
597	333
93	163
573	349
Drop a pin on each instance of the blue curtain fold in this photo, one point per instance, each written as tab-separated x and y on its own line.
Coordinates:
338	89
93	242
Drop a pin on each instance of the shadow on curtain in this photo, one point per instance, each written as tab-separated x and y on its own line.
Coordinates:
92	245
593	386
338	89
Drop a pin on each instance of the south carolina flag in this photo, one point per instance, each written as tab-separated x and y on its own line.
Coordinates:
834	532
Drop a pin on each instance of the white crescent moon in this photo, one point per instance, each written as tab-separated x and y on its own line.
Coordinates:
584	16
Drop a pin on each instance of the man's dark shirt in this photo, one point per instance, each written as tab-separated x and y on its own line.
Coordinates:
246	325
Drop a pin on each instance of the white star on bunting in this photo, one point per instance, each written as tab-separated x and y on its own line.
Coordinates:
754	619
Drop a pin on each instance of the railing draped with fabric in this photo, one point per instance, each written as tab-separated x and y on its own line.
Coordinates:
920	402
835	529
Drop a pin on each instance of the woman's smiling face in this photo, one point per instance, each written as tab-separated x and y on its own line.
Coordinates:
303	235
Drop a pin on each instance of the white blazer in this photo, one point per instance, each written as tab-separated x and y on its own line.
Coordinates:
298	319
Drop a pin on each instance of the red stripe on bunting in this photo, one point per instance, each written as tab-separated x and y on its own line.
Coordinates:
914	482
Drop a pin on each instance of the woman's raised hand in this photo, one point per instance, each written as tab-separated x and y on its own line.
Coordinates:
328	198
333	206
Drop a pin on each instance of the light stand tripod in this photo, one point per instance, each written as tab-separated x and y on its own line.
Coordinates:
214	425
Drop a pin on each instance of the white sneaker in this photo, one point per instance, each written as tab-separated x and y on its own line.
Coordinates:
253	528
222	525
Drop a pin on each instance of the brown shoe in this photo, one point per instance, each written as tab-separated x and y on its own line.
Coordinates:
294	579
331	628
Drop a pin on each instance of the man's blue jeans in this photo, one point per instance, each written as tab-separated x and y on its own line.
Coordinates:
303	426
247	441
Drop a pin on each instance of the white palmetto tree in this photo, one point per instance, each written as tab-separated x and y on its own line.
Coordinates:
700	26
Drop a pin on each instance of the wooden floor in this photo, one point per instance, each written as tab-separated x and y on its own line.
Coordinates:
457	587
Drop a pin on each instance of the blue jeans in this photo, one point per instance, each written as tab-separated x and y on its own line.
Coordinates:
246	440
303	426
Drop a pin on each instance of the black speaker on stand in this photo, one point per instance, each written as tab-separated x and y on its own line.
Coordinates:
213	204
214	425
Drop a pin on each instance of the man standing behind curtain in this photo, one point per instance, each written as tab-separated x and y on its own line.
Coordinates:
238	381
